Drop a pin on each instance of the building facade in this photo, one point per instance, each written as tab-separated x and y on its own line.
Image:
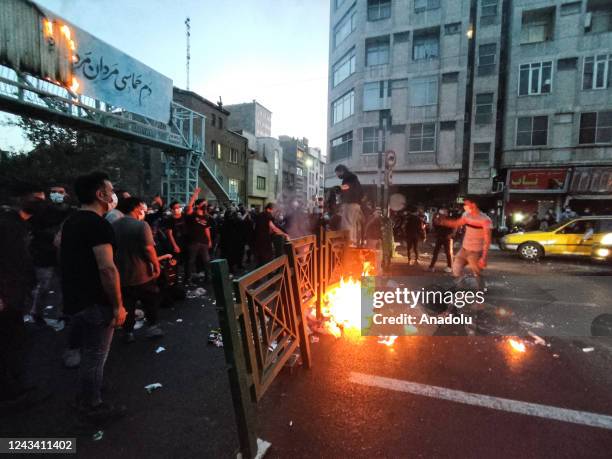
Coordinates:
225	152
509	100
294	168
314	173
398	82
263	170
252	117
557	143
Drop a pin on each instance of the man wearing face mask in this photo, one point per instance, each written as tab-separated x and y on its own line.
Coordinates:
113	213
138	266
91	289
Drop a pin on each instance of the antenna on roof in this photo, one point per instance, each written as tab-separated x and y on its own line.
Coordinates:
188	35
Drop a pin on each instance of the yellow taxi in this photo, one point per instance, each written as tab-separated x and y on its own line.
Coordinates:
577	236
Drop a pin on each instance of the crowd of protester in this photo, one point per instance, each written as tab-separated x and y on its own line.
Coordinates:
108	257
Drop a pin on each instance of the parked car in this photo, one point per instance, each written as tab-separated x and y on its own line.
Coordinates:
577	236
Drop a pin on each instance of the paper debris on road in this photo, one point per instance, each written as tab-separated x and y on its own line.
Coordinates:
49	307
196	293
588	349
179	320
215	337
98	435
537	339
290	423
160	349
151	387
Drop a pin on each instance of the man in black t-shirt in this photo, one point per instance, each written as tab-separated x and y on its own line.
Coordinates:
264	228
351	193
198	239
91	288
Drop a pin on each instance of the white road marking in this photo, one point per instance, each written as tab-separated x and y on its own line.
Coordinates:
486	401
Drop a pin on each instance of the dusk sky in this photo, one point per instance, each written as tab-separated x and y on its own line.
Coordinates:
274	51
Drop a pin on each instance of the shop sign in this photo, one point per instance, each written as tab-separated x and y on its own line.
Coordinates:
592	180
537	180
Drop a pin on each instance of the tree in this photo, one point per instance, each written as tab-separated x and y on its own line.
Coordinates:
61	154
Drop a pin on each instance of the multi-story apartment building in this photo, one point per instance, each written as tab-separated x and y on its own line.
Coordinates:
252	117
294	167
557	145
399	81
314	177
226	150
507	99
263	170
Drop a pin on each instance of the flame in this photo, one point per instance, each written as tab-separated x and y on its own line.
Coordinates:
516	345
387	340
75	85
65	31
341	308
48	27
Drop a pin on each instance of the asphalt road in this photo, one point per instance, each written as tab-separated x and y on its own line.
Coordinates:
451	396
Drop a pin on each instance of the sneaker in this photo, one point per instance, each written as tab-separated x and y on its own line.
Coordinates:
104	412
129	338
154	331
431	269
72	358
448	270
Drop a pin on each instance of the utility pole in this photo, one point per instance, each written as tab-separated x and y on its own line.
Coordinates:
188	35
382	130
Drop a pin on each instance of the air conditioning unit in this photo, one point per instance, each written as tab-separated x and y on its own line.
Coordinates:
588	19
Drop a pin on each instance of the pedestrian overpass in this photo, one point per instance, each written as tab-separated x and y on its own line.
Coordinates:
27	93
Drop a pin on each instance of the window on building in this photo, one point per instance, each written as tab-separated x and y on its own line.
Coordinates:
571	8
450	77
374	95
213	120
535	78
451	29
484	108
600	12
426	45
488	8
532	130
233	156
342	147
261	183
220	123
482	154
538	25
213	148
377	51
567	63
343	107
596	127
379	9
597	72
422	137
299	171
338	3
370	140
344	68
424	5
423	91
345	26
233	189
486	59
219	151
